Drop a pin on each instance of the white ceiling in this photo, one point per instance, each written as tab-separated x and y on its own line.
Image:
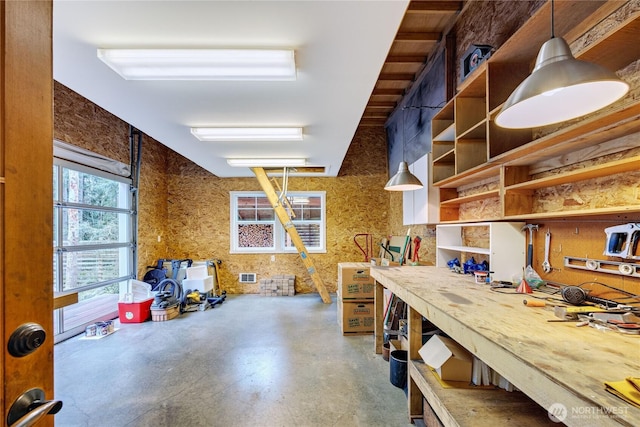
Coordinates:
340	48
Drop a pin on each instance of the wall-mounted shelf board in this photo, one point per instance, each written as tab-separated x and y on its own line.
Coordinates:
448	134
470	198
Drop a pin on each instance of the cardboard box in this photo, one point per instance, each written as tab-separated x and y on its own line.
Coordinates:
354	281
450	360
135	312
356	317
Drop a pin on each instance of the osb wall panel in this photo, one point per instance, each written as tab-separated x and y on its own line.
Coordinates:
198	206
490	23
427	233
80	122
584	238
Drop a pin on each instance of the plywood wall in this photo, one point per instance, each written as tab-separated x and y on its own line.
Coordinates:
199	212
184	209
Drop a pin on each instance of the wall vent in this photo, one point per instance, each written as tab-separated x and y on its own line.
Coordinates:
247	277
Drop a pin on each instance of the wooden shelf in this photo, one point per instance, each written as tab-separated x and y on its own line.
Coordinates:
482	171
478	406
466	249
621	119
484	150
447	135
617	210
446	157
611	168
470	198
616	49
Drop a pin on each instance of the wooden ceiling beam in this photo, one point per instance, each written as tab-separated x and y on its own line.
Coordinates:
388	91
385	104
375	115
425	36
434	6
405	59
397	76
372	122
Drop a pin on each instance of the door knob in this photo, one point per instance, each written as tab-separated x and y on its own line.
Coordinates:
29	408
26	339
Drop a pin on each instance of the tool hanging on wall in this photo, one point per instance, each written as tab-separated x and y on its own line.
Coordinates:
531	228
622	241
611	267
546	265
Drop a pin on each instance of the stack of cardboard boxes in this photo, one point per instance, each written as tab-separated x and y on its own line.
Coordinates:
355	298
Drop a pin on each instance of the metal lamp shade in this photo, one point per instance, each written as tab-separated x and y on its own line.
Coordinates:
560	88
404	180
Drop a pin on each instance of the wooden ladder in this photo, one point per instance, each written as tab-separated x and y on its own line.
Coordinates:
288	225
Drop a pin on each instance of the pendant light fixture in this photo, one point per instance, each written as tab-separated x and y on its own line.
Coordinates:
403	180
560	88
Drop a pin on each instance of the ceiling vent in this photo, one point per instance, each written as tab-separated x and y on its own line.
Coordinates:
247	277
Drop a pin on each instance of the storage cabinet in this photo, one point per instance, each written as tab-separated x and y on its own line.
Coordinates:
469	147
505	250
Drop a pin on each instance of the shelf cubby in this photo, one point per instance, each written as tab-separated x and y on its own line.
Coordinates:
483	150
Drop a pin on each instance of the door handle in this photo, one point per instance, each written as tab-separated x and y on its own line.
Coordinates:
29	408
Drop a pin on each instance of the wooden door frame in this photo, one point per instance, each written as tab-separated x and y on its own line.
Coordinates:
26	155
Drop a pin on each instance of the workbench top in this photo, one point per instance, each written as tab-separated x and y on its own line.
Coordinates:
551	362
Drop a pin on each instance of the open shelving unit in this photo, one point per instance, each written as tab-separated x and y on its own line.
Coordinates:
505	251
477	149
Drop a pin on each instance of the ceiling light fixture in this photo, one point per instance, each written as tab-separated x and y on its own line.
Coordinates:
201	64
247	134
403	180
560	88
266	162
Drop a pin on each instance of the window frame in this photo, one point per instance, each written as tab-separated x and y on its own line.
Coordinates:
126	244
279	233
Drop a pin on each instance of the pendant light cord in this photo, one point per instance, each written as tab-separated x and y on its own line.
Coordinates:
553	31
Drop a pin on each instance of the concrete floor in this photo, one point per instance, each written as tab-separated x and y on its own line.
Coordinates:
252	361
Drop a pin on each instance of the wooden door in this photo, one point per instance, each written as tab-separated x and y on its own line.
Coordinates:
26	203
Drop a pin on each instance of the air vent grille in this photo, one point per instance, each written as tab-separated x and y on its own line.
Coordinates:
247	277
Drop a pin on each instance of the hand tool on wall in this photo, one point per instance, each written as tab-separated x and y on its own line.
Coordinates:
546	266
622	241
530	227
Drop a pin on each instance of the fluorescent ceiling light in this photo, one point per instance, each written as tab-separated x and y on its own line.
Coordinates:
266	162
201	64
247	134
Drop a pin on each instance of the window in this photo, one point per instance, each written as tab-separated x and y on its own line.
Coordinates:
93	246
255	228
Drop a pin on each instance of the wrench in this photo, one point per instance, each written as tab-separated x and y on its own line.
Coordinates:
546	266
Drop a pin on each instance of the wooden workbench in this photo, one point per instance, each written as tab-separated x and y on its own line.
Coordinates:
550	362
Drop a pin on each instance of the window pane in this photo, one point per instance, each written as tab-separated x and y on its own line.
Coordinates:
246	215
85	227
55	182
89	267
265	214
255	236
80	187
309	233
